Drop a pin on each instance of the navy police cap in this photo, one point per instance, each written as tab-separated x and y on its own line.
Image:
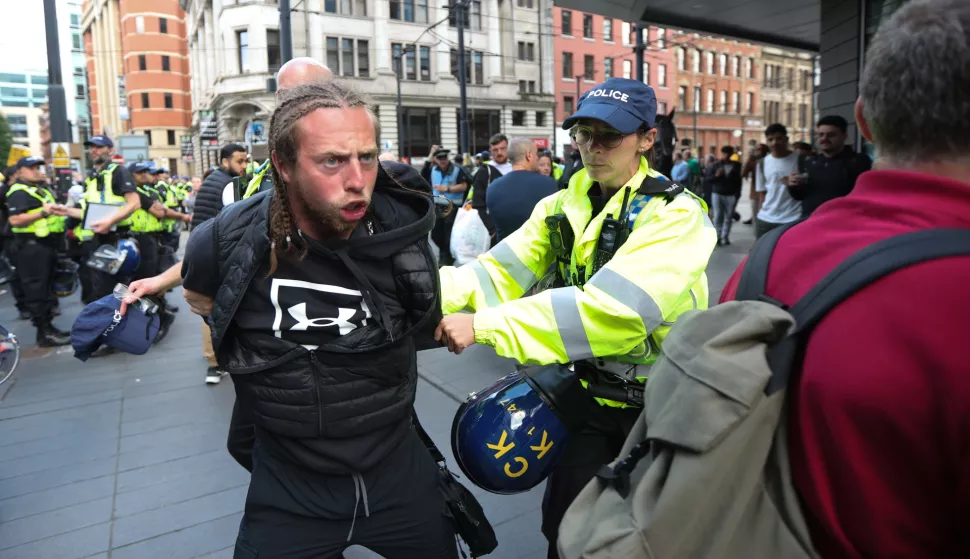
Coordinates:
624	104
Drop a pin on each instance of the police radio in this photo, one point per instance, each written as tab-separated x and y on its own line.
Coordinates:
612	235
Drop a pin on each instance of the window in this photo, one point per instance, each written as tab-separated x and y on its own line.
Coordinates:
139	24
567	66
347	59
474	66
662	75
415	11
661	36
13	78
406	59
697	98
662	108
79	90
682	98
749	102
527	51
363	59
168	101
567	106
75	20
681	62
735	102
709	62
148	134
273	58
76	41
163	28
791	79
540	119
722	102
710	101
567	23
345	7
646	73
749	69
16	104
242	54
625	32
722	64
333	54
522	86
736	66
171	137
525	4
166	63
142	62
518	118
144	101
627	69
802	115
695	61
479	67
13	92
472	16
588	26
607	68
789	114
589	67
78	71
608	29
38	80
424	62
40	94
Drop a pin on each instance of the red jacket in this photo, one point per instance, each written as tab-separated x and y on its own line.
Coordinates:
880	416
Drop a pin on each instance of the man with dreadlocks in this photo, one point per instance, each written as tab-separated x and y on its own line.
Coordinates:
320	288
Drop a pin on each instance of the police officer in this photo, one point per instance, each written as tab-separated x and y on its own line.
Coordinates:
631	249
37	223
111	184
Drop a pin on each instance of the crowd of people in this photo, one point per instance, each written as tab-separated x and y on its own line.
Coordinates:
317	286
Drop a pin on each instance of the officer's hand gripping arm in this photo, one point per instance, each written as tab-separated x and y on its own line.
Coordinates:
654	277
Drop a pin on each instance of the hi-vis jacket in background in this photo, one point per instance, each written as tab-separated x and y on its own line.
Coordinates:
620	313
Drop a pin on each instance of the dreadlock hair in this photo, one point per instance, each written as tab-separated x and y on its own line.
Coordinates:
293	105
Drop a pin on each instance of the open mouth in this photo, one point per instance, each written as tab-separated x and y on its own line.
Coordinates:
354	211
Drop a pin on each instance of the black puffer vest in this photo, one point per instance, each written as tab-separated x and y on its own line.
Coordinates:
208	201
347	403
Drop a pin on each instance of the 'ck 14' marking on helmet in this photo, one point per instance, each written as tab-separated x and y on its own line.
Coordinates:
503	446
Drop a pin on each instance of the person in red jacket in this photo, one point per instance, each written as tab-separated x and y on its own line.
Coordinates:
879	420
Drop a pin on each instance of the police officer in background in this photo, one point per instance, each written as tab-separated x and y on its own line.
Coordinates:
37	224
637	262
110	183
9	243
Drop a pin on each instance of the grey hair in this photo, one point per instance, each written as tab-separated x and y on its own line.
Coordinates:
519	147
915	87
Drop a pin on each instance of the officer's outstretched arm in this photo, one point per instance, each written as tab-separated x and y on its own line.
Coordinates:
506	271
657	275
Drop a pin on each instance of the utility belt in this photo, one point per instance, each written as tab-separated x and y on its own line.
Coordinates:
31	239
612	381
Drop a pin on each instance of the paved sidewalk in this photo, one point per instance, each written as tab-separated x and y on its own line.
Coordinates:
124	456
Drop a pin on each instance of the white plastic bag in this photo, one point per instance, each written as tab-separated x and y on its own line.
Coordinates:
469	237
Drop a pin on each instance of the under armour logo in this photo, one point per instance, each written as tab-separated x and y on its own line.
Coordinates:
342	322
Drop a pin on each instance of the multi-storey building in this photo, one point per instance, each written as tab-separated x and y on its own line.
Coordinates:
25	126
591	48
787	88
19	88
138	72
235	50
718	92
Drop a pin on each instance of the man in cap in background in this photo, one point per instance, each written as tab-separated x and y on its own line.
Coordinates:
451	181
37	222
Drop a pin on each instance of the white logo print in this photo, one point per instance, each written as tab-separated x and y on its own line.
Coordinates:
298	312
347	302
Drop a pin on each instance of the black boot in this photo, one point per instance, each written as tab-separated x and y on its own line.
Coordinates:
24	315
165	322
58	331
48	337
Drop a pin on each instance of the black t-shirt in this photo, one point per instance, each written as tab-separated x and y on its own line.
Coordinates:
308	303
22	202
146	196
829	178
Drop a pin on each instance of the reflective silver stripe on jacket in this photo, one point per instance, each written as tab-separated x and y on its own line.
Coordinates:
485	281
565	308
630	295
506	257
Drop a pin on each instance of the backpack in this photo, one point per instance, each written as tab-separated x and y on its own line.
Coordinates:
704	474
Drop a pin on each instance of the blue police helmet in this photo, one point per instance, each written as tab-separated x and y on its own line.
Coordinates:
65	281
508	437
118	260
132	256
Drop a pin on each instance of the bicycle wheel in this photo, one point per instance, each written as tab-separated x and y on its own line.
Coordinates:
9	354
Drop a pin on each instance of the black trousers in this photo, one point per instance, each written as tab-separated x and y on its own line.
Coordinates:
102	284
441	235
148	247
598	443
294	513
762	227
36	259
10	246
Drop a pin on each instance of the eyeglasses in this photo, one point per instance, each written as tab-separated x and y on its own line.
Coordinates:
587	136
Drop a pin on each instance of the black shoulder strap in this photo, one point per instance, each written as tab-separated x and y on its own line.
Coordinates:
874	262
426	439
754	276
657	186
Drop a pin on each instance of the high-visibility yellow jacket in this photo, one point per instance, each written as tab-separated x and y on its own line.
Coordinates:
98	189
142	221
43	227
621	313
80	233
257	180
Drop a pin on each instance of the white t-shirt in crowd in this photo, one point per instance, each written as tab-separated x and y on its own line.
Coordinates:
779	206
504	168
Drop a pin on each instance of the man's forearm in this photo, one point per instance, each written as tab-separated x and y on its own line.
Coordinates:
25	219
125	211
172	277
